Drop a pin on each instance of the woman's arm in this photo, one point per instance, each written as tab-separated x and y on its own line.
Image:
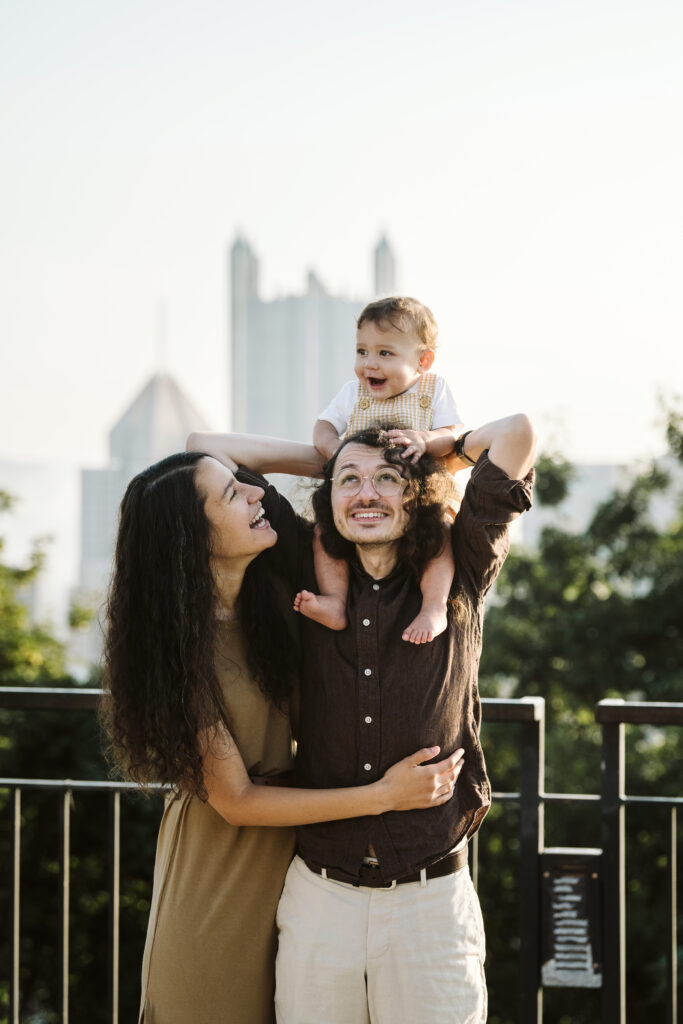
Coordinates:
262	454
405	786
511	444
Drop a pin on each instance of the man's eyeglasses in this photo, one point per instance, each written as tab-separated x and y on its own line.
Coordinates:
386	481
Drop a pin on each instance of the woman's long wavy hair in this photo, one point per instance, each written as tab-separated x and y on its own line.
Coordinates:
159	673
427	499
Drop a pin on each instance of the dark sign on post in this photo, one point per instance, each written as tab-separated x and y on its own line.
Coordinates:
571	953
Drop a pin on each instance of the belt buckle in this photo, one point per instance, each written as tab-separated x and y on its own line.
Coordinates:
370	874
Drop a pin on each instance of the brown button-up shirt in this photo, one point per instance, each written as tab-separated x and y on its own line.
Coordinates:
368	698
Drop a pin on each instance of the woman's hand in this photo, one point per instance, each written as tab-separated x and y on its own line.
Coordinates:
410	784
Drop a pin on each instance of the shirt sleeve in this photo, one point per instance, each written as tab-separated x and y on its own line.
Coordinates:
445	410
480	531
338	411
293	532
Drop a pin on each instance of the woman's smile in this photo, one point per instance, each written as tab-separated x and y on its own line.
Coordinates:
259	522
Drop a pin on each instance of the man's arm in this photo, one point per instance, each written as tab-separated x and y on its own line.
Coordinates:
511	444
498	491
262	454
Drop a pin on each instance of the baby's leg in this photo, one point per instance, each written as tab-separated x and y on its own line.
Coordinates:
328	607
435	586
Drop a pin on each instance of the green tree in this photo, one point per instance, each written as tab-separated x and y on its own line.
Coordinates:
48	744
588	616
27	653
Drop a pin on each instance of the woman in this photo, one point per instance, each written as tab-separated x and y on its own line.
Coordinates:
200	664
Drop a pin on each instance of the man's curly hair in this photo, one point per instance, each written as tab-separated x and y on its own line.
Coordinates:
428	499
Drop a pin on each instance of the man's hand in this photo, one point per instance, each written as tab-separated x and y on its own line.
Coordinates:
455	463
415	441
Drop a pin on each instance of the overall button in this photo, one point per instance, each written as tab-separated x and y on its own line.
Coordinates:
368	767
366	622
368	719
368	671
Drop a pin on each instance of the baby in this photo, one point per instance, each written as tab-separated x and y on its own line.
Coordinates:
395	346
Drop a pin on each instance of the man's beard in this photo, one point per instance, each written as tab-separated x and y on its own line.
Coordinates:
371	545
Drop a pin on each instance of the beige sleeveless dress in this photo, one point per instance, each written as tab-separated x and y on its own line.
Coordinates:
211	942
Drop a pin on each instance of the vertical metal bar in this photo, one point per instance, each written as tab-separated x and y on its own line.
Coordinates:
671	925
64	878
114	901
614	875
15	886
473	855
532	840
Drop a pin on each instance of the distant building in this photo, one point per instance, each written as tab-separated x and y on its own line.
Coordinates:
385	268
156	424
290	355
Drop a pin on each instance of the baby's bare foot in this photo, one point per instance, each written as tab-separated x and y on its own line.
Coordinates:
328	611
426	626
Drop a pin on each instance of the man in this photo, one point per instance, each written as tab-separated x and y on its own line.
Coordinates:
378	920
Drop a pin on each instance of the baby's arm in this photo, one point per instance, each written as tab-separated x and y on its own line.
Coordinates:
325	438
333	421
328	607
446	425
437	442
435	586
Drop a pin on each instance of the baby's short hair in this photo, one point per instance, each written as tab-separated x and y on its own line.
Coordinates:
402	313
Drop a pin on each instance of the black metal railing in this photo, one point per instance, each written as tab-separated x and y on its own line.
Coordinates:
613	716
43	699
531	800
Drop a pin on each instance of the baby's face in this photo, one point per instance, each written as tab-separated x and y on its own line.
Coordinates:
388	361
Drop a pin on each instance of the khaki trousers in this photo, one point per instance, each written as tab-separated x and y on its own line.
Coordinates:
413	954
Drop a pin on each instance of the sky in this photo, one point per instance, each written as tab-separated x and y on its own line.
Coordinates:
524	158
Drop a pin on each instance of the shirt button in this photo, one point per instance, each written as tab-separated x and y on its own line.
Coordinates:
368	671
366	622
375	586
368	719
367	766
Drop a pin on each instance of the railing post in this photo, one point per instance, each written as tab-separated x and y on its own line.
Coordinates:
15	885
65	882
671	925
114	901
614	874
532	841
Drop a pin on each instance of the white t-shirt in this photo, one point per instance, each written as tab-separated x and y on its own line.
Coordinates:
340	408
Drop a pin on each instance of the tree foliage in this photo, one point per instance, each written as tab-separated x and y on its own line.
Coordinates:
584	617
29	655
47	744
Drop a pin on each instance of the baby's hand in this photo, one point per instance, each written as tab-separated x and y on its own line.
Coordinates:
415	441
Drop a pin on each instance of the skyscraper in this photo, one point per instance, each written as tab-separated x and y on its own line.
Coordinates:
385	268
290	355
155	424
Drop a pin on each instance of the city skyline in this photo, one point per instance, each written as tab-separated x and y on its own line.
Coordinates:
290	354
521	160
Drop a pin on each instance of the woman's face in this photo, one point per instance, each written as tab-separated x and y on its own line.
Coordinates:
239	525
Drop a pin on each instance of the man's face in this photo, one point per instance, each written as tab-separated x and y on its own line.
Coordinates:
367	517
